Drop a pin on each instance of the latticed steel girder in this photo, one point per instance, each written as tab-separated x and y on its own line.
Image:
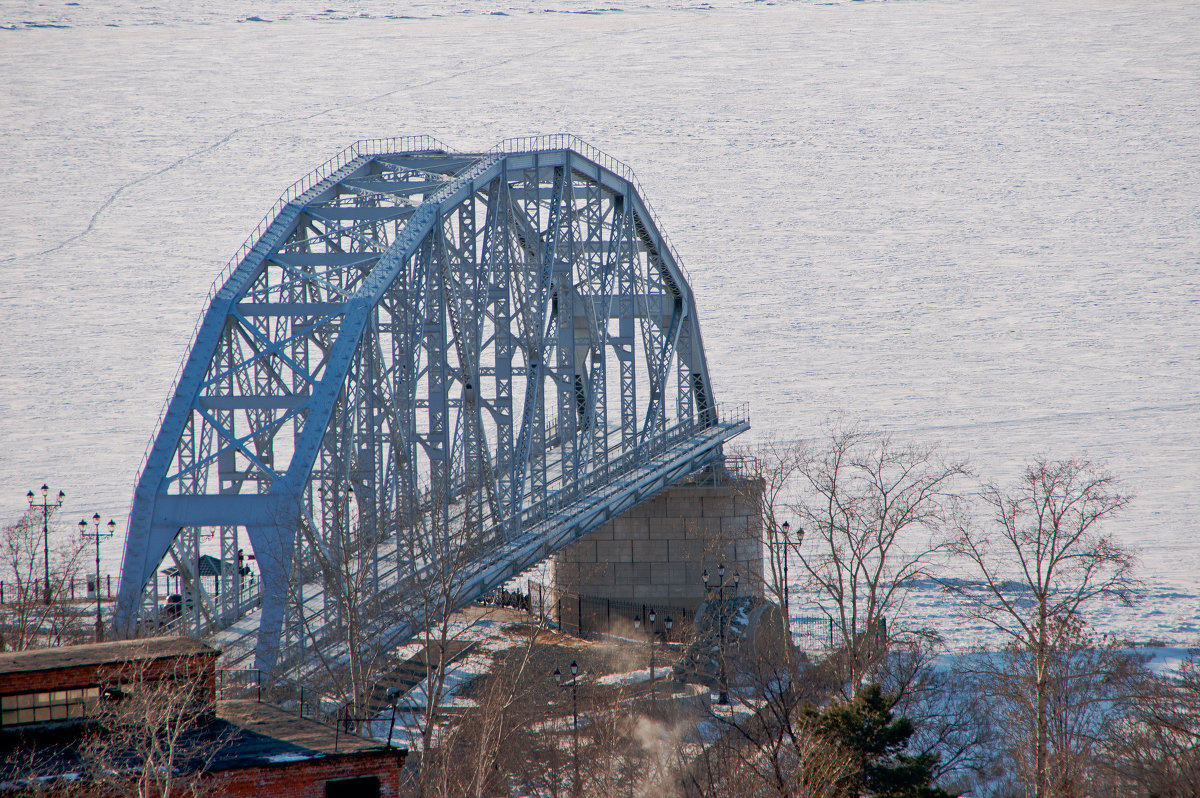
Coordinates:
465	348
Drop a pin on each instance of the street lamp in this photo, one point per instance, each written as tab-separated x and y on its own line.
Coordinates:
393	697
637	627
574	721
96	535
723	695
652	617
45	506
340	497
667	624
786	527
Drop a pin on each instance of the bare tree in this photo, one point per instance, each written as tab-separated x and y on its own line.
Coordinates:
896	500
1154	750
477	755
440	583
347	634
794	761
380	580
950	716
28	617
368	581
773	469
525	731
153	733
1043	562
874	515
1092	690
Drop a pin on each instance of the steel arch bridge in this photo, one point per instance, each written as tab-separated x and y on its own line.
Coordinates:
420	353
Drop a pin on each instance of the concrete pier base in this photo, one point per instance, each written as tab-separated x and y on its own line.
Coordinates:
655	553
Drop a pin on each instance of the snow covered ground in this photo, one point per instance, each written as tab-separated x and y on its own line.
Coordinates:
971	223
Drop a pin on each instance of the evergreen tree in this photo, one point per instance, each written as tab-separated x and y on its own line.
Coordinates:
867	728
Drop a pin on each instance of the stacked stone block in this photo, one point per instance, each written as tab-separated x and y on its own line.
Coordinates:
655	552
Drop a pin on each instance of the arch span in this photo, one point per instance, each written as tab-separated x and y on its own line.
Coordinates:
489	352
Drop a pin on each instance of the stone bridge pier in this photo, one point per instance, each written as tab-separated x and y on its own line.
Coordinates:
655	553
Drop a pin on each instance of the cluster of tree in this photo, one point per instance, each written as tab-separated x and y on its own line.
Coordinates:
852	524
36	605
1050	710
524	734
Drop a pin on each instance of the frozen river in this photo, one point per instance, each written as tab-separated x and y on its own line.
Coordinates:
972	223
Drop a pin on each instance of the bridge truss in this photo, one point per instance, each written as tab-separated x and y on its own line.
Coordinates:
420	356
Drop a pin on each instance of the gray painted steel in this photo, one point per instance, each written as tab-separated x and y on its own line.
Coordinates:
504	341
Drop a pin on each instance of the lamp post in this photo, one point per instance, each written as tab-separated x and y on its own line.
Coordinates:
45	506
723	697
341	496
652	617
667	624
723	694
787	604
574	723
637	626
393	697
96	535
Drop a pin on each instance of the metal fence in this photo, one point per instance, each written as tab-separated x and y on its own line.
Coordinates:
292	697
588	616
79	588
812	634
820	634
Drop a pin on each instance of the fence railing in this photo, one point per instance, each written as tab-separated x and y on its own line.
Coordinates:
287	695
588	616
812	633
79	588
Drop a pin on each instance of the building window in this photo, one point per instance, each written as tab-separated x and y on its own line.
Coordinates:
361	787
46	707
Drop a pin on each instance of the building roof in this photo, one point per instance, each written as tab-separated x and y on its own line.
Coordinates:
95	654
244	734
267	734
209	566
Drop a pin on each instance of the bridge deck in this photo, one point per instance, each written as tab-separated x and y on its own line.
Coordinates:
565	517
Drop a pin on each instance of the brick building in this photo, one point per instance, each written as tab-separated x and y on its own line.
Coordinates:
51	699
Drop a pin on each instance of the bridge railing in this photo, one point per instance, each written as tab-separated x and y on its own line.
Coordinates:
396	144
620	463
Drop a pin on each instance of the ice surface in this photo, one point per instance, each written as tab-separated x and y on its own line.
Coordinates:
972	223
